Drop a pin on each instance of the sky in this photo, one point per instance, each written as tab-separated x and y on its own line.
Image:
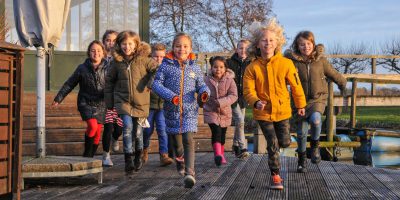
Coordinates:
341	21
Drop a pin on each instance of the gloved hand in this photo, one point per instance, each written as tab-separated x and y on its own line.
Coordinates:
175	100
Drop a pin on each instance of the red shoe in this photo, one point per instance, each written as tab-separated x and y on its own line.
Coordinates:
276	182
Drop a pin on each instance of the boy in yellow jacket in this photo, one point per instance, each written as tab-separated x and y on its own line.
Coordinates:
265	88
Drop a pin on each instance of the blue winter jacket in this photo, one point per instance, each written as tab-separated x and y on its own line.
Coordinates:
171	80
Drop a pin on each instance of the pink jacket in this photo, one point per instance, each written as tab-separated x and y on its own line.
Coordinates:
218	110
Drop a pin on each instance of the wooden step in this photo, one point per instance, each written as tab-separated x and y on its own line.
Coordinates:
77	135
76	148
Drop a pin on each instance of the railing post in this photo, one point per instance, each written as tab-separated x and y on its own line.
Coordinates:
353	104
330	114
373	71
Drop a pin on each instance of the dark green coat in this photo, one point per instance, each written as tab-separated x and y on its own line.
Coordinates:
128	83
238	67
314	75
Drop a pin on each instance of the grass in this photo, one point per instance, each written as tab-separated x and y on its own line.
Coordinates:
371	117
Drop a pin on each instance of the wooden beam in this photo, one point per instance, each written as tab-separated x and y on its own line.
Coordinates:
374	78
330	115
361	56
373	71
353	104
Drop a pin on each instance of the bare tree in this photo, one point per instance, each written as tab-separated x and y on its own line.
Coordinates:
4	28
391	47
230	18
168	17
349	65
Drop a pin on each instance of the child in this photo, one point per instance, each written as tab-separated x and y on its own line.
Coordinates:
177	81
128	91
90	76
156	116
265	89
217	111
238	63
113	123
313	69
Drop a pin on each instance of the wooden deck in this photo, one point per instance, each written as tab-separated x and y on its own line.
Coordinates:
240	179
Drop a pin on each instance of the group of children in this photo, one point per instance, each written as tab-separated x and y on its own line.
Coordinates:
130	91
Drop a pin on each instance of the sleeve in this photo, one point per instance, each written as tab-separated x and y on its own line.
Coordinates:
334	75
151	67
69	85
231	96
201	86
111	78
292	77
158	84
249	86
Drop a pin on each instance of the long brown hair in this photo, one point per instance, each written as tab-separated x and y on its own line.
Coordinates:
308	35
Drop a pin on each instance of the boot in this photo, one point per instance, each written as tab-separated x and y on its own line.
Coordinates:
301	162
145	155
217	153
138	160
315	156
107	160
129	167
88	146
223	161
165	160
94	149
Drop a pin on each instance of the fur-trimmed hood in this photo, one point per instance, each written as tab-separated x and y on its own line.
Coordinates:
228	74
144	49
318	53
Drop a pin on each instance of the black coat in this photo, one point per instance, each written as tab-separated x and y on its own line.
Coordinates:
238	66
91	90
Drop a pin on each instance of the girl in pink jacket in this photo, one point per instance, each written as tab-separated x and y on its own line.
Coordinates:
217	111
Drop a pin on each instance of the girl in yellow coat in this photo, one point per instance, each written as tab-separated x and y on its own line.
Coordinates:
265	88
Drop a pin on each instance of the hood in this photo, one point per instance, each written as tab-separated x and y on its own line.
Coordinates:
144	49
228	74
318	52
170	55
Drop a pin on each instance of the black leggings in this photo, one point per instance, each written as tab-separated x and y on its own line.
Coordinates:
110	128
218	133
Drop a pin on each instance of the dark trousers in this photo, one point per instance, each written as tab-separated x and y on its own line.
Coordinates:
184	145
110	130
277	136
218	133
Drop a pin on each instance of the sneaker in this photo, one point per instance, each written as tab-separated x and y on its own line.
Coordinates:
107	160
243	154
189	181
115	144
276	182
180	165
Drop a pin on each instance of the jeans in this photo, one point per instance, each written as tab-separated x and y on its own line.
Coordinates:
302	130
156	117
132	134
277	136
184	145
238	116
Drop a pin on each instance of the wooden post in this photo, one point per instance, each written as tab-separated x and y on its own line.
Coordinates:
97	20
353	104
373	71
330	114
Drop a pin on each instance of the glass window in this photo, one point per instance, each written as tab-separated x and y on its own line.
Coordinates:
80	27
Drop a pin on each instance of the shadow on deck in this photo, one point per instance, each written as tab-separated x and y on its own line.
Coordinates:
240	179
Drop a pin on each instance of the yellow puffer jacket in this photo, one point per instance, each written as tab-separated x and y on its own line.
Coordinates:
267	81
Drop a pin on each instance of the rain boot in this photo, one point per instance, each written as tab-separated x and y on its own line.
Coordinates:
217	153
301	162
94	149
138	160
223	160
129	167
145	155
88	146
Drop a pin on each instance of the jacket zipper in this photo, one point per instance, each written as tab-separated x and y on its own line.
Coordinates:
181	99
308	80
129	84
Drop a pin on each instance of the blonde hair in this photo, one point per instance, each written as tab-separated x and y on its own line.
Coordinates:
181	34
257	30
244	41
158	47
122	37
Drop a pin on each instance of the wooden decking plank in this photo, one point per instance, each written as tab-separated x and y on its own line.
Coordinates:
337	188
241	185
374	185
222	184
297	183
359	191
315	182
259	187
388	179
